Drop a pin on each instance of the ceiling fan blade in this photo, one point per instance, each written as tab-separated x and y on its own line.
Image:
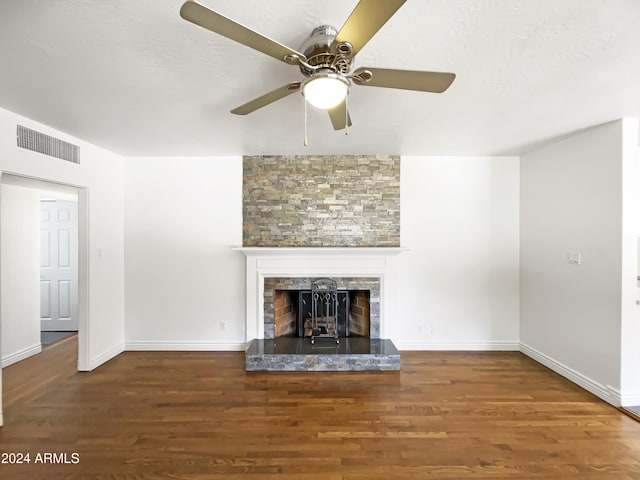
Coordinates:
339	116
267	98
207	18
436	82
365	20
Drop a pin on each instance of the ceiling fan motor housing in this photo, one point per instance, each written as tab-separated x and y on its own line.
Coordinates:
317	49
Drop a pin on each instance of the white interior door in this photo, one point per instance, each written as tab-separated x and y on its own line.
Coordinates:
58	265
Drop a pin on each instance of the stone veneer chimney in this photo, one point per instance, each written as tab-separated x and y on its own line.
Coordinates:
321	201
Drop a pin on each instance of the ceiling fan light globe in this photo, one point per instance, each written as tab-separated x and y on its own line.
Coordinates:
325	91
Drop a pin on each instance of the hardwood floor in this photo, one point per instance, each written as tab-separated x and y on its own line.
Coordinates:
197	415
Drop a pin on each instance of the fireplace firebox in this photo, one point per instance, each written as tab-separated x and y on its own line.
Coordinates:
294	316
287	305
321	310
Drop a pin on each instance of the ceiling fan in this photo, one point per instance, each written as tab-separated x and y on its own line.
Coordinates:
324	59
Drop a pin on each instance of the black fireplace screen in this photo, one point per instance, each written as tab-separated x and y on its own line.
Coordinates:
323	310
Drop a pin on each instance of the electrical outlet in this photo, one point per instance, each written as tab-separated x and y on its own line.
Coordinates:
223	326
419	329
434	330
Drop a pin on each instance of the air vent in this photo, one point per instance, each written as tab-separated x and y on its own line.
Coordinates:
47	145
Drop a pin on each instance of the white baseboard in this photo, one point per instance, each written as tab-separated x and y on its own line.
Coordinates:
512	346
605	392
105	356
626	399
21	355
185	346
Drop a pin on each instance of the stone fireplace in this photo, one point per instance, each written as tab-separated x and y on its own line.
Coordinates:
332	217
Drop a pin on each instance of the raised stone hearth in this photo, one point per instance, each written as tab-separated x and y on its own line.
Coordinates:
298	354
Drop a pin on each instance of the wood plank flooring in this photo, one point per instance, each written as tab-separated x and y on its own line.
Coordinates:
199	415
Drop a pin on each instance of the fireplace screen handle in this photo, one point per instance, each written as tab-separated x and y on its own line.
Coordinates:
324	309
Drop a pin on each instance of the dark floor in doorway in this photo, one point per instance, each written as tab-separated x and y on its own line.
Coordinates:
47	338
635	410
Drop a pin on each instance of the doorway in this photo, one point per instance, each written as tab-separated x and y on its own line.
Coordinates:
44	276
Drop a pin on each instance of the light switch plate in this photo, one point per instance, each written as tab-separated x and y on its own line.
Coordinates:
574	258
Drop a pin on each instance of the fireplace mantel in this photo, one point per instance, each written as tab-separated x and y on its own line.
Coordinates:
319	251
264	262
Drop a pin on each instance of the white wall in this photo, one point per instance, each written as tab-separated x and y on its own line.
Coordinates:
183	216
571	201
458	283
184	284
20	281
100	173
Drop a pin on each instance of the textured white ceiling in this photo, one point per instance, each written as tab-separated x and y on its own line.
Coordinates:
134	77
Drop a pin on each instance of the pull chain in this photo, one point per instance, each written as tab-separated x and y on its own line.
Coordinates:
346	115
306	143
